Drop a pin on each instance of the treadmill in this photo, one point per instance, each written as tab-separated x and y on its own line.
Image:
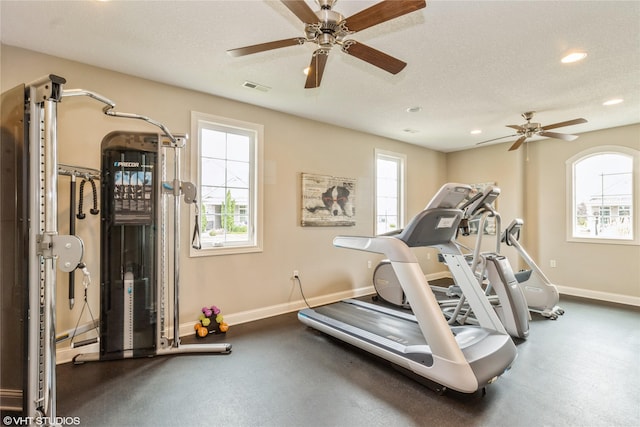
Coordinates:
463	358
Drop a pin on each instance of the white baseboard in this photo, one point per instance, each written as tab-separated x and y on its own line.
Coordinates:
599	295
288	307
66	354
438	275
576	292
275	310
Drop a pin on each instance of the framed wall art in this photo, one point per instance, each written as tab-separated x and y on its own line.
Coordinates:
328	201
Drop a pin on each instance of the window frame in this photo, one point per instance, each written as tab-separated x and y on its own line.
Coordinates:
198	122
401	159
635	193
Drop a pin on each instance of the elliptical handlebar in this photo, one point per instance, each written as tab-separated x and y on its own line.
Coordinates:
512	232
469	202
482	202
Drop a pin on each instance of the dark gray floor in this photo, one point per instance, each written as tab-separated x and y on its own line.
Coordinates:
581	370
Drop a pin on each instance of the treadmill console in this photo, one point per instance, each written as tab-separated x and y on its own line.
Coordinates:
449	196
438	222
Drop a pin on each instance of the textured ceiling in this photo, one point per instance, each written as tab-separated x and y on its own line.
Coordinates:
471	64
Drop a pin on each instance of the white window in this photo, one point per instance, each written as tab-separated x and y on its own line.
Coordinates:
603	196
390	191
227	158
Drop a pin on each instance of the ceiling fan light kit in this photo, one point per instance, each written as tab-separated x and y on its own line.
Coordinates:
328	28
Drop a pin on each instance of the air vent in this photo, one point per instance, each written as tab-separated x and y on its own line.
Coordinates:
256	86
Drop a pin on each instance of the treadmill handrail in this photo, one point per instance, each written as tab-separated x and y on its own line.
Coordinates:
394	249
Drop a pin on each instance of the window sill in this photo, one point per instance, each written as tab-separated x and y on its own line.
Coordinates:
597	241
224	250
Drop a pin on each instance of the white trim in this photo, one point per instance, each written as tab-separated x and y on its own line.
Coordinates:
256	178
288	307
66	354
570	187
402	186
438	275
599	295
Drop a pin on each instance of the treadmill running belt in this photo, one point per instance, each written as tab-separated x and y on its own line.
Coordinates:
402	331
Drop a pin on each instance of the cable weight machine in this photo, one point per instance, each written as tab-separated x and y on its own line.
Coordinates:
140	244
32	249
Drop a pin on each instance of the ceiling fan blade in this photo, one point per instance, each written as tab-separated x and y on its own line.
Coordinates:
374	57
516	127
381	12
495	139
518	143
562	124
301	10
248	50
316	69
562	136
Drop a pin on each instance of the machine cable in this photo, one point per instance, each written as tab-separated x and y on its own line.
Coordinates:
195	238
86	281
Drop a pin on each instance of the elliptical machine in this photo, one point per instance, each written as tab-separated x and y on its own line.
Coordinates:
542	295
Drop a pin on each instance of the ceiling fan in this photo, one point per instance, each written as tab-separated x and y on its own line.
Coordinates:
529	129
328	28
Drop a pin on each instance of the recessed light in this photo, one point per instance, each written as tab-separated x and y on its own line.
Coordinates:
613	101
415	109
573	57
476	132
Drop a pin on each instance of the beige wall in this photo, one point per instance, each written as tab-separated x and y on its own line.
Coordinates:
248	285
532	181
588	268
256	285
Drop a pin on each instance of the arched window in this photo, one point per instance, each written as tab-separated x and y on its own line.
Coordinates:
603	196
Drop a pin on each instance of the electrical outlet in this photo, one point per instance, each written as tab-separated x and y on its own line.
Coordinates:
552	263
369	264
296	274
428	256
